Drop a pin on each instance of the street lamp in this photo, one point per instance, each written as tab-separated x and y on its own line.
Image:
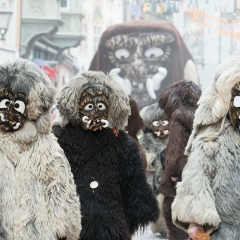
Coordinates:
5	17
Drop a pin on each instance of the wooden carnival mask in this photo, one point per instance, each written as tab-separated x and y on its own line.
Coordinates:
93	108
234	110
160	127
12	110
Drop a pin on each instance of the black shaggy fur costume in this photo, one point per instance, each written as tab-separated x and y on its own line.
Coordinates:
123	201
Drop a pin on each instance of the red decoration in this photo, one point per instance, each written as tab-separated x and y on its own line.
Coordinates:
51	72
115	132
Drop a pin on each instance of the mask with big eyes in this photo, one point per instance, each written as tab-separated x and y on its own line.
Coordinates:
142	59
160	127
12	110
234	110
93	108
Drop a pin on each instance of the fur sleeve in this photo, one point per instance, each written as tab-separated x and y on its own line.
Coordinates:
195	201
61	198
175	159
147	144
140	204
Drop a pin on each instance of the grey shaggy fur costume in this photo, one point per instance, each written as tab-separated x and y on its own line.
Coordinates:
209	193
37	192
152	147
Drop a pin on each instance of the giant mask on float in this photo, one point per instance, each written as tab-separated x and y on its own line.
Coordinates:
12	110
145	57
139	57
93	108
234	110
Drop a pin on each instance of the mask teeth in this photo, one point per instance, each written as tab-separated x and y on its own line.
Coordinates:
106	123
2	117
157	133
166	132
88	123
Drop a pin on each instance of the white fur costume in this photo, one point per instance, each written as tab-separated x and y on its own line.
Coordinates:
38	199
209	193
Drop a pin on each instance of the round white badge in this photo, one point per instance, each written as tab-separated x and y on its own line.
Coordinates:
94	184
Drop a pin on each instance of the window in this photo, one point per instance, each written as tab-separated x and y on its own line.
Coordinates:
83	45
36	53
84	28
97	36
65	79
97	30
65	5
4	3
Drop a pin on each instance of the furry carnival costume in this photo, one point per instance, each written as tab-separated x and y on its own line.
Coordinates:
179	102
115	197
147	56
153	142
135	124
209	193
37	192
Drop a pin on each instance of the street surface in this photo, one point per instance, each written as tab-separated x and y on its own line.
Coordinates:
147	235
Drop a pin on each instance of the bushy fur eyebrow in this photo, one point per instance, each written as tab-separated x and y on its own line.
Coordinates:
143	39
5	93
102	100
84	101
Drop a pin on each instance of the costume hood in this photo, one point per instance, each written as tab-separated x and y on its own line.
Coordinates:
25	76
179	101
179	67
215	102
69	99
151	112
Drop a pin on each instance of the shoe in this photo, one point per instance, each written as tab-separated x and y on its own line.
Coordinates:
163	234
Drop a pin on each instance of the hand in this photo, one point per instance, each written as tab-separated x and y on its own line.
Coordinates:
174	179
192	229
201	235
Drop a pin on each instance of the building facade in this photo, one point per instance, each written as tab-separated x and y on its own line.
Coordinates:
10	44
98	15
49	29
211	30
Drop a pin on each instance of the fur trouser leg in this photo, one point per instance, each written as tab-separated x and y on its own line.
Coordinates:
174	232
160	225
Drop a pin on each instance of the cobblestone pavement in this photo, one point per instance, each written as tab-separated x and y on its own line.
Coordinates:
147	235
